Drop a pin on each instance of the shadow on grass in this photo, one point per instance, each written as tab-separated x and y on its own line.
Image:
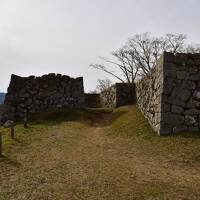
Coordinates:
56	116
195	135
6	160
89	116
181	135
117	115
22	141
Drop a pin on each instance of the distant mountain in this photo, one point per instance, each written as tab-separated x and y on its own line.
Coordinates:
2	97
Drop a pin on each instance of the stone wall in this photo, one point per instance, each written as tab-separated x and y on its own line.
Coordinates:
181	93
119	94
35	94
148	92
92	100
125	94
169	96
108	97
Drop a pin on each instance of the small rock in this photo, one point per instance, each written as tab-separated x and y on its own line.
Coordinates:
177	109
190	120
182	75
197	95
9	124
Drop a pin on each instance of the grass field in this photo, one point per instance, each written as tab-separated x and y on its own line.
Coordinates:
97	154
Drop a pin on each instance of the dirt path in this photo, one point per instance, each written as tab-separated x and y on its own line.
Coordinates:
75	161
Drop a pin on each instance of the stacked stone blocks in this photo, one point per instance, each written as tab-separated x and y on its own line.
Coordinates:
36	94
170	96
118	95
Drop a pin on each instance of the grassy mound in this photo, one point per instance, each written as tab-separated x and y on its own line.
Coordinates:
97	154
38	123
57	116
129	121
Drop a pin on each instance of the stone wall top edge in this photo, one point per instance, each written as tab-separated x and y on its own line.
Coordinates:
14	76
119	84
172	56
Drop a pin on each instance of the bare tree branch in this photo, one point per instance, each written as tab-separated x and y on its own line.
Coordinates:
137	57
103	68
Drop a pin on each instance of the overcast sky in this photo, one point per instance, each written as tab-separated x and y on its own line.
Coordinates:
65	36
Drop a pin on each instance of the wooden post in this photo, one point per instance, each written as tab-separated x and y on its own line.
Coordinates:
12	131
1	144
25	120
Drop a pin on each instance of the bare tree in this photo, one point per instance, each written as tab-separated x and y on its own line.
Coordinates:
175	43
124	62
146	49
193	49
137	57
103	84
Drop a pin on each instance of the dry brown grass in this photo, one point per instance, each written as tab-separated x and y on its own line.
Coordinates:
96	155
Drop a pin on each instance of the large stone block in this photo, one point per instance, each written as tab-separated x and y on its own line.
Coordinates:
172	119
165	107
190	85
182	75
195	77
165	129
177	109
197	95
192	103
192	112
173	100
181	93
170	74
190	120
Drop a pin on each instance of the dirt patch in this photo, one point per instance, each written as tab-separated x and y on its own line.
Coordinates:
101	119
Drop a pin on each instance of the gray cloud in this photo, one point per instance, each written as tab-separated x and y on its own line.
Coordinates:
65	36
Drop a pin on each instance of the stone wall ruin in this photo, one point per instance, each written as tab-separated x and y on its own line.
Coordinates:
37	94
92	100
119	94
148	92
170	96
